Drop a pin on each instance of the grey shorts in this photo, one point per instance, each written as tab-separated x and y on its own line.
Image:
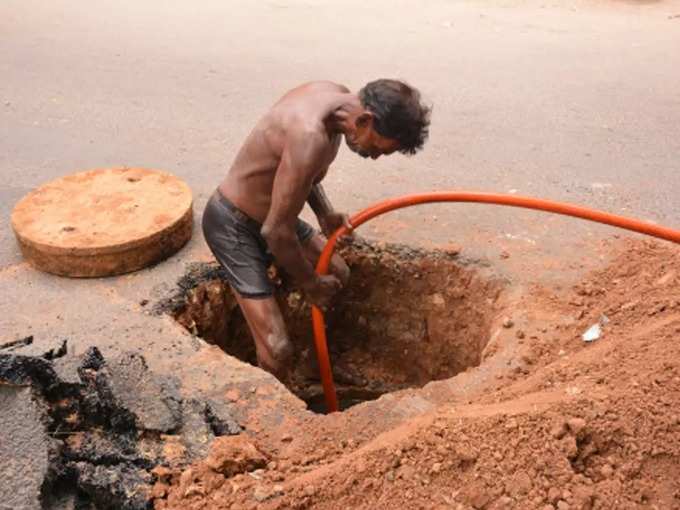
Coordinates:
235	240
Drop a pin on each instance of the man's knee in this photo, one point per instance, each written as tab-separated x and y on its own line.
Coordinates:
280	348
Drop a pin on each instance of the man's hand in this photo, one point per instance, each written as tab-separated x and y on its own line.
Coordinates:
333	221
321	290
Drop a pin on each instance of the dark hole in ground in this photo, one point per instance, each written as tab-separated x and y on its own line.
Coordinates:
407	317
347	397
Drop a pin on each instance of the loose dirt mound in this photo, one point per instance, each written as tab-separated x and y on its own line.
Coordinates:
573	426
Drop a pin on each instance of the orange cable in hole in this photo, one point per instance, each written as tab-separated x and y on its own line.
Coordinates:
384	206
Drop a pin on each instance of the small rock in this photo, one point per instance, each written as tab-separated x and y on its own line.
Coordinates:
576	425
162	473
159	490
389	476
508	323
309	490
504	255
407	472
562	505
437	299
452	248
286	438
278	489
436	467
257	474
194	490
520	334
186	478
554	494
261	494
569	447
606	471
233	395
522	483
230	455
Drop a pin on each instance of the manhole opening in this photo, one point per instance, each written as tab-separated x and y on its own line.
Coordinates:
406	318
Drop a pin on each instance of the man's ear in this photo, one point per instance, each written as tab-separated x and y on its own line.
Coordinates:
365	120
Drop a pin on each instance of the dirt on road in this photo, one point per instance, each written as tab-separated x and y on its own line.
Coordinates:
535	418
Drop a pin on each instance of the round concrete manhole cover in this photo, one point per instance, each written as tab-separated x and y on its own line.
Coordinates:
104	222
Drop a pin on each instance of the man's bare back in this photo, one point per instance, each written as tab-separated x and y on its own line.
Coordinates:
252	219
250	179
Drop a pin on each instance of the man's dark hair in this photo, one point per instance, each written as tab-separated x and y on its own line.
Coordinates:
398	113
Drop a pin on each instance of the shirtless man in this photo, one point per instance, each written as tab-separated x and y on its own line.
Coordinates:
252	218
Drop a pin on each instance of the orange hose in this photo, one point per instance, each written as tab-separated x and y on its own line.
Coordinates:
456	196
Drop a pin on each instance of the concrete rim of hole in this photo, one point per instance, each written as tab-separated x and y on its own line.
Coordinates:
104	222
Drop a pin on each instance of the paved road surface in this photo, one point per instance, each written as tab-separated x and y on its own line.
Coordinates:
574	101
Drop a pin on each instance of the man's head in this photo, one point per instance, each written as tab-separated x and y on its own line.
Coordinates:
392	119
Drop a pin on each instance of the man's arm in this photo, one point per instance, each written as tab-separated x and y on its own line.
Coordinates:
292	185
319	202
329	219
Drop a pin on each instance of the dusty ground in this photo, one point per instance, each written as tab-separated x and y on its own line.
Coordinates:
575	101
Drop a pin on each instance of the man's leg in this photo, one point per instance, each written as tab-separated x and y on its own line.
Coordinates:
235	240
272	345
312	249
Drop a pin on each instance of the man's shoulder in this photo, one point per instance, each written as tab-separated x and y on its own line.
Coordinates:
307	137
324	85
302	129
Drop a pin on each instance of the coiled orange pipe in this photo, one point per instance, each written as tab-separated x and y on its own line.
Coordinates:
456	196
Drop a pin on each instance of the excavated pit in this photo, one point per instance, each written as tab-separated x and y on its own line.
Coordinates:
407	317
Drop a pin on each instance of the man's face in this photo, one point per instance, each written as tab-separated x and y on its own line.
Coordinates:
367	142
